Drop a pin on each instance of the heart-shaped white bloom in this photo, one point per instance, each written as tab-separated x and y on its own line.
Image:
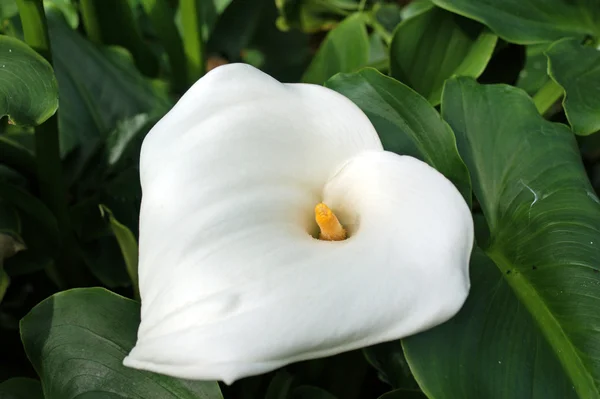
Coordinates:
232	281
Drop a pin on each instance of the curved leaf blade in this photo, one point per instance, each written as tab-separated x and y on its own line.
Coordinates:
493	337
28	88
77	340
345	49
100	89
542	213
577	69
434	45
406	123
531	21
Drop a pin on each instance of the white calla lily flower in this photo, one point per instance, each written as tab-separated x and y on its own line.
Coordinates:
233	277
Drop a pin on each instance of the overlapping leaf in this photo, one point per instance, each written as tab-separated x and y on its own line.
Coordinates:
77	340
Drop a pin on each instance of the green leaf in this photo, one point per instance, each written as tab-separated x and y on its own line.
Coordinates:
112	22
76	341
210	12
4	278
21	388
8	9
236	27
283	55
531	21
16	156
69	10
100	89
312	15
308	392
34	210
406	123
577	69
105	260
493	337
345	49
388	358
28	88
542	213
128	245
434	45
534	75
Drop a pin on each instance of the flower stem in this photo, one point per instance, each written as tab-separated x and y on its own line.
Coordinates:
112	22
48	162
193	42
162	17
547	95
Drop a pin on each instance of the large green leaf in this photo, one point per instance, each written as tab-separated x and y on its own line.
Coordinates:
101	88
434	45
77	339
531	21
345	49
494	338
577	69
28	88
21	388
406	123
542	213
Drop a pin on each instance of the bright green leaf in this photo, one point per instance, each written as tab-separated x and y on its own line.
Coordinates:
128	245
28	88
406	123
542	213
531	21
21	388
577	69
432	46
493	337
100	89
76	341
345	49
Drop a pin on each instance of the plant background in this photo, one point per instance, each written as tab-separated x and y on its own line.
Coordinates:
501	96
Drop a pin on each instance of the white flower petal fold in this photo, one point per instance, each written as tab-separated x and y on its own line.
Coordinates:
233	283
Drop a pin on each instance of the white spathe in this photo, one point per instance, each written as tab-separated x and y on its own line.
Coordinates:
233	284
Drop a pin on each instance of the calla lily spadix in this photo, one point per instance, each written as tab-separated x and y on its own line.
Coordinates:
237	278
